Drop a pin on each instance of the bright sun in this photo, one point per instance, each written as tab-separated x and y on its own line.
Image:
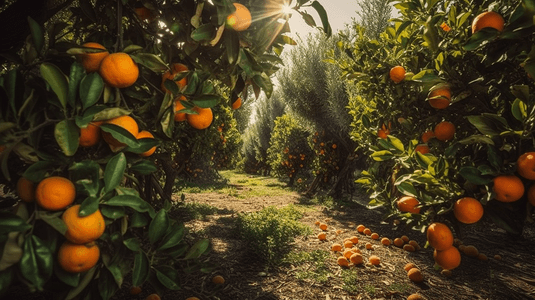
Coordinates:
286	9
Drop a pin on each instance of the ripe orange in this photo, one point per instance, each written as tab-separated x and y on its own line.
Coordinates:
531	194
374	260
525	165
468	210
236	104
444	131
336	247
426	136
361	228
135	290
488	19
448	259
82	230
398	242
157	297
218	279
439	236
193	298
409	248
508	188
497	257
422	148
374	236
179	117
323	226
415	275
125	122
146	134
405	238
409	266
357	259
348	244
369	246
367	231
385	241
91	61
55	193
342	261
75	258
408	204
470	251
202	119
416	297
175	69
241	19
322	236
334	146
414	244
354	239
90	135
397	74
439	98
118	70
347	253
26	190
482	257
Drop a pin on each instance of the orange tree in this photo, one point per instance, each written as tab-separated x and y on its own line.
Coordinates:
478	80
87	126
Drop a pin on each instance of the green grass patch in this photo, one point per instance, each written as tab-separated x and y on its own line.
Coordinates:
270	231
195	211
310	265
350	278
253	185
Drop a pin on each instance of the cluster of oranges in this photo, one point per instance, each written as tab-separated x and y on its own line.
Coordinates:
327	159
79	252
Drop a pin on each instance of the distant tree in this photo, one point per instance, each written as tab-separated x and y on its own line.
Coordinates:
374	16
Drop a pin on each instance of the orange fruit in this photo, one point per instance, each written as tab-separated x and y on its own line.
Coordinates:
488	19
398	242
354	239
374	260
125	122
369	246
55	193
334	146
336	247
375	236
470	251
26	190
118	70
439	236
457	242
236	104
90	135
317	223
531	194
439	98
426	136
202	119
361	228
405	238
422	148
218	279
82	230
241	19
482	257
348	244
415	275
322	236
525	165
75	258
468	210
179	117
91	61
497	257
145	134
397	74
323	226
415	297
357	259
408	204
347	253
448	259
157	297
385	241
342	261
367	231
408	248
445	272
175	69
444	131
193	298
135	290
508	188
144	14
409	266
414	244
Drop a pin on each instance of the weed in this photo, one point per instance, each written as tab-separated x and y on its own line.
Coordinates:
270	231
194	210
399	287
350	278
310	265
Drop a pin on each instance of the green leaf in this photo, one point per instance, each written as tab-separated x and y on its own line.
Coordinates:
397	143
75	76
109	113
206	100
473	175
139	220
407	189
37	171
145	144
10	222
67	136
37	34
173	237
131	201
167	276
88	206
53	219
86	279
382	155
323	16
168	123
494	158
36	264
151	61
120	134
232	46
264	82
6	277
113	212
476	139
205	32
57	81
71	279
106	284
480	38
144	167
114	172
521	92
198	249
308	18
133	244
158	226
91	88
140	273
519	110
87	174
487	125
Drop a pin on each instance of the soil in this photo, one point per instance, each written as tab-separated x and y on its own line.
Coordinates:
247	278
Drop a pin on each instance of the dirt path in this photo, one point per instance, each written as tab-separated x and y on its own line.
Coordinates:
513	277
